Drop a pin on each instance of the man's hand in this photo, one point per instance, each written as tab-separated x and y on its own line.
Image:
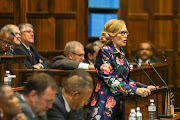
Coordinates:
20	116
143	92
91	67
40	61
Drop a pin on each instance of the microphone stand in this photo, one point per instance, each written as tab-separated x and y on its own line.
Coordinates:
171	66
167	105
135	60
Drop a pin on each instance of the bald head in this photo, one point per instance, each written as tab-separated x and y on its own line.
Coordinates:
16	32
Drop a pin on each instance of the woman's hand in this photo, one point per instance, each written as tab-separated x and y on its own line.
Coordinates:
143	92
151	87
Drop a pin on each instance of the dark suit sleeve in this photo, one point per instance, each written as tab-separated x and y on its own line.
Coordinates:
45	63
19	51
57	112
64	64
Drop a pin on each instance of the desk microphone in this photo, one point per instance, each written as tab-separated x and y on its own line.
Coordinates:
158	74
12	33
135	60
165	59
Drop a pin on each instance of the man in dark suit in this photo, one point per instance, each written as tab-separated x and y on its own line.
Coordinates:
74	56
33	60
6	40
145	54
91	51
38	96
74	94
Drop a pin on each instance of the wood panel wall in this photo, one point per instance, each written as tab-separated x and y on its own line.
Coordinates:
55	21
59	21
157	21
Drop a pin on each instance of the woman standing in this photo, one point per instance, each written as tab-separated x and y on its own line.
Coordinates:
113	73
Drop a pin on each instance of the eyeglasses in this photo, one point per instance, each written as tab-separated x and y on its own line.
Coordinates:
29	31
6	43
124	32
80	55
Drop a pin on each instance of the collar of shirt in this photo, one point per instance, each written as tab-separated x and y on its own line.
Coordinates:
68	109
90	62
28	48
22	97
140	60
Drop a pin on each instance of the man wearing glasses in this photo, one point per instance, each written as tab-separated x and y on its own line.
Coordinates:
145	54
74	56
33	60
6	40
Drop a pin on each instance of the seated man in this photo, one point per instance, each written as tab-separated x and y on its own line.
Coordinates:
6	40
33	60
10	108
91	51
17	36
98	43
74	56
38	96
145	54
74	94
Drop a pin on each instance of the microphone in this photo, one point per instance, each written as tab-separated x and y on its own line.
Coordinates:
171	66
135	60
12	33
158	74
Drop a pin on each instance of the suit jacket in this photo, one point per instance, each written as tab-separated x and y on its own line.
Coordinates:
26	109
31	60
61	62
58	110
152	59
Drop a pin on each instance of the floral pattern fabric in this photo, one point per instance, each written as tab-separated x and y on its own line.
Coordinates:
113	75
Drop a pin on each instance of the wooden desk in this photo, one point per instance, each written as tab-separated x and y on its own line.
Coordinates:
175	117
11	63
138	75
143	103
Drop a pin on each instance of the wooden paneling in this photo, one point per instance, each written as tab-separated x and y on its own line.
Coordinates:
65	31
137	33
163	6
137	6
163	34
6	6
38	5
65	5
44	33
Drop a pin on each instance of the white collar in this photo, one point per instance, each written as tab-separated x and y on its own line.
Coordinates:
140	60
68	109
28	48
90	62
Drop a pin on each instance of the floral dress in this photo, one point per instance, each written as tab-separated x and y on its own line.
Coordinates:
113	75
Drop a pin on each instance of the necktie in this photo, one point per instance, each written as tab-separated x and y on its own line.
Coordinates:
29	51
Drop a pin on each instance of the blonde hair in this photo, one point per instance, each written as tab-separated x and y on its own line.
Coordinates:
111	29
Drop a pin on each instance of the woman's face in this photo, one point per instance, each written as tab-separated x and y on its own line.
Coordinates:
120	39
